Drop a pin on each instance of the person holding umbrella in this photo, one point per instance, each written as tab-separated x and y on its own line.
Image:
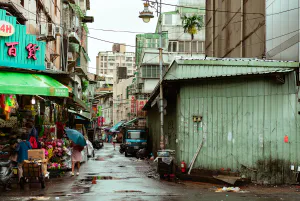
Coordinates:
78	143
76	157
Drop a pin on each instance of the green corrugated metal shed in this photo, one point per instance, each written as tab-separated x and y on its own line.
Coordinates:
246	117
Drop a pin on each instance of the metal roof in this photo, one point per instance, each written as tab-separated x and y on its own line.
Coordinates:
191	68
182	72
185	68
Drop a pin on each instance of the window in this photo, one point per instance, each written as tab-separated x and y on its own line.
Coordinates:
101	64
181	46
105	65
129	72
201	47
194	46
111	58
22	2
150	71
129	64
168	19
128	59
111	71
197	46
172	46
101	58
187	46
111	64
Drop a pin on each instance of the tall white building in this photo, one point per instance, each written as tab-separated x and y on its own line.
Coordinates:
108	62
282	30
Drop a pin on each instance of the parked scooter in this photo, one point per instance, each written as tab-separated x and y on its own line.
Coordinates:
122	148
6	173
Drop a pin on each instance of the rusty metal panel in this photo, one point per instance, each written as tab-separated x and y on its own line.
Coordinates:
244	126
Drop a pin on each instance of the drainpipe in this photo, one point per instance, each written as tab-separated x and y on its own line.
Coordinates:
242	28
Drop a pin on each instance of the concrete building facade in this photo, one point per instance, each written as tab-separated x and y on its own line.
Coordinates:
235	29
121	100
108	62
176	43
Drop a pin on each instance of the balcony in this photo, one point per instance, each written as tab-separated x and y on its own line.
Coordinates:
14	9
74	37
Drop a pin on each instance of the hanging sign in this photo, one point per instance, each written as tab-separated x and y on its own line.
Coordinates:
6	28
18	49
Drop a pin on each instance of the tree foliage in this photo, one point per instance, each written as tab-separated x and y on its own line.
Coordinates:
192	24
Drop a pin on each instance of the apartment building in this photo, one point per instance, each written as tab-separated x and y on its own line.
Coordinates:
175	42
108	62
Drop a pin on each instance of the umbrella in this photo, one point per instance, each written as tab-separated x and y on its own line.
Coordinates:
76	137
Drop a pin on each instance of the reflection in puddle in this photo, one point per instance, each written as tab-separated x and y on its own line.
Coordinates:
129	191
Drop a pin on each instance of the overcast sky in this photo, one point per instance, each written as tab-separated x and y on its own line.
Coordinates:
117	15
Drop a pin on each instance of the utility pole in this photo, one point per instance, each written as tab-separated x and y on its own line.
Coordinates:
146	15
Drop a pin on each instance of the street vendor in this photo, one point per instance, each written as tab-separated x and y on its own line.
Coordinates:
22	150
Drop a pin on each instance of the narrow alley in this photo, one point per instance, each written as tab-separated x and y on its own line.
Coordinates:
122	178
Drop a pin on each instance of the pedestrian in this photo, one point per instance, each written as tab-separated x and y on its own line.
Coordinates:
22	150
76	157
114	140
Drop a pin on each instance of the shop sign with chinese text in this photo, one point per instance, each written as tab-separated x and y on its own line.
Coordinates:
18	49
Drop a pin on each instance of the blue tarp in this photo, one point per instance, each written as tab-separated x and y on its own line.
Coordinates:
116	127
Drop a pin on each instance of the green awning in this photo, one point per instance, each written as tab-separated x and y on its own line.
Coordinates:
31	84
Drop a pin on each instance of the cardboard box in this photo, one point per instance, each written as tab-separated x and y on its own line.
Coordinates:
36	154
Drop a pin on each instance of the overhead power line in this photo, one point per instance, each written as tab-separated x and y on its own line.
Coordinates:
204	9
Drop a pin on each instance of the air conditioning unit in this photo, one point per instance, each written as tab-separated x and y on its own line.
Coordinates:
51	31
50	66
43	31
58	31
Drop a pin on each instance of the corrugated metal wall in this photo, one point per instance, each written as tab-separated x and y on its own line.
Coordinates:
170	126
244	125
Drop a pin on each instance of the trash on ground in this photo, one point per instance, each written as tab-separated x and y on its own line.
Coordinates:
39	198
228	189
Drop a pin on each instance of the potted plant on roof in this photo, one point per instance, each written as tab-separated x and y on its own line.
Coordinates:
192	25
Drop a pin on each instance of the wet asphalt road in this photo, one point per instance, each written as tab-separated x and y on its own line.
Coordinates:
121	178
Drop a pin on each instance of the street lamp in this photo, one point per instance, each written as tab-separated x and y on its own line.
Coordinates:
146	15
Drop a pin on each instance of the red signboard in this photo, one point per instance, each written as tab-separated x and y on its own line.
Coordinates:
140	105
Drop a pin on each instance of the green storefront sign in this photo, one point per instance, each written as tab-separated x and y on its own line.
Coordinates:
18	49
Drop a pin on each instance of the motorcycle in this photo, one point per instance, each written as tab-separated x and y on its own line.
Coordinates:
6	173
122	148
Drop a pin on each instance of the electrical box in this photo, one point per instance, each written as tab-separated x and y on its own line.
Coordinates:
197	118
